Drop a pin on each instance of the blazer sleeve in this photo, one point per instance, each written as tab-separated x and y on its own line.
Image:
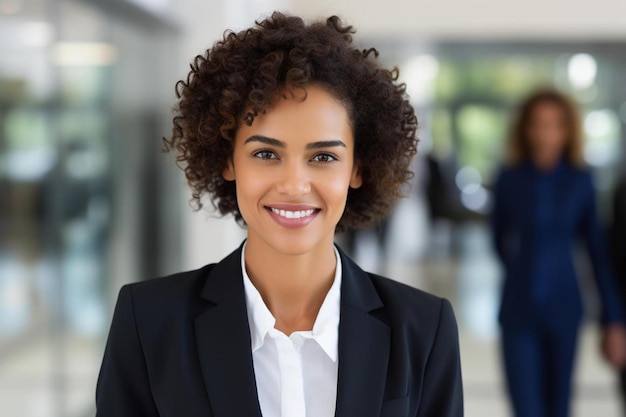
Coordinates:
123	388
597	245
442	395
618	236
499	218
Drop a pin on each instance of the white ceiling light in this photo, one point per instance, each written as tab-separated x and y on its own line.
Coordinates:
83	54
582	70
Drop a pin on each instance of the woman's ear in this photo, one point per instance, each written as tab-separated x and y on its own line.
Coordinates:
229	171
356	180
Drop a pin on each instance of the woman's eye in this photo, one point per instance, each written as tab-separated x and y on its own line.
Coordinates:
265	155
324	158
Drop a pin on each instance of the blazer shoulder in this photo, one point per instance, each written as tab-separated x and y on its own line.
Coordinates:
397	292
509	170
162	292
412	306
581	178
585	176
507	174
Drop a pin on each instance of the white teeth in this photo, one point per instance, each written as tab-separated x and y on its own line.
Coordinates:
293	214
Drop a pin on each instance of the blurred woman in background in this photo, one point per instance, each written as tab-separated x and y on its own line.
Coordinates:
544	201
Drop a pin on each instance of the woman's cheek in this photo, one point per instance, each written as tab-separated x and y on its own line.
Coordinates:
337	185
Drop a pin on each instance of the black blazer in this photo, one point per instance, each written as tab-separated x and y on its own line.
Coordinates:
179	346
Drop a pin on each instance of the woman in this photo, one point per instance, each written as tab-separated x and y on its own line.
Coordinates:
544	200
297	134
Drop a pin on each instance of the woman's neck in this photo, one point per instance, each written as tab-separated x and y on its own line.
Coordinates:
293	287
546	162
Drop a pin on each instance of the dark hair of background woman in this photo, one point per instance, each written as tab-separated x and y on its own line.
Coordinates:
243	74
519	144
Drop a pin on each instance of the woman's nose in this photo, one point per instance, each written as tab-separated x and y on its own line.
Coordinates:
293	180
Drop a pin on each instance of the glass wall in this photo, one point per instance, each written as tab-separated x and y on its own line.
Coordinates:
467	92
82	195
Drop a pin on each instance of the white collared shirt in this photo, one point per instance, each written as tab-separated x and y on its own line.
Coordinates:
296	375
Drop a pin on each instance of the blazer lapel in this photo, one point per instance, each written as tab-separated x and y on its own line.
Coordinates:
364	343
223	341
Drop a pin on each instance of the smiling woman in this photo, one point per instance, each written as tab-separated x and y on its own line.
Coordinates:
245	73
298	134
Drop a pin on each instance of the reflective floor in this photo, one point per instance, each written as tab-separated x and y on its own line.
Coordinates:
34	384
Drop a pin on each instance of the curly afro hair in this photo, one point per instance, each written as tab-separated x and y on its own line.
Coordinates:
244	73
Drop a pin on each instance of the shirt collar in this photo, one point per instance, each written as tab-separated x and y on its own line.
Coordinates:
325	329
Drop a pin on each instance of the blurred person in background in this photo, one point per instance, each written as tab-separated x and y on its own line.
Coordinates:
618	238
297	134
544	201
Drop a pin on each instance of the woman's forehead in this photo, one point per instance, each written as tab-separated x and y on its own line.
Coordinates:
291	119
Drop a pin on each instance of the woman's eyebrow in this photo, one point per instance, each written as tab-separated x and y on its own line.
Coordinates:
280	144
325	144
265	140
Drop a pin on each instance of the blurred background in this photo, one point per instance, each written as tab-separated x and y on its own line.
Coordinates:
88	202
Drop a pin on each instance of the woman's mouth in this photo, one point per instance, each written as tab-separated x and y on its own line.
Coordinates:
292	214
293	218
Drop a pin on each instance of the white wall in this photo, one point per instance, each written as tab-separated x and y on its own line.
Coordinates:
477	19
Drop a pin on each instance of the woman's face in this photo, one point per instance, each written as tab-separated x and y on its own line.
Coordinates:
292	169
547	131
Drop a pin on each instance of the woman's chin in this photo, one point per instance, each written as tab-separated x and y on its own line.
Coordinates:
294	247
291	244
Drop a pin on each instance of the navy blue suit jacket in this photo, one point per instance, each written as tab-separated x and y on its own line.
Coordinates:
535	238
180	346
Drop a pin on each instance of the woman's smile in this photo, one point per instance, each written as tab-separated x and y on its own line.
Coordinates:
292	216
